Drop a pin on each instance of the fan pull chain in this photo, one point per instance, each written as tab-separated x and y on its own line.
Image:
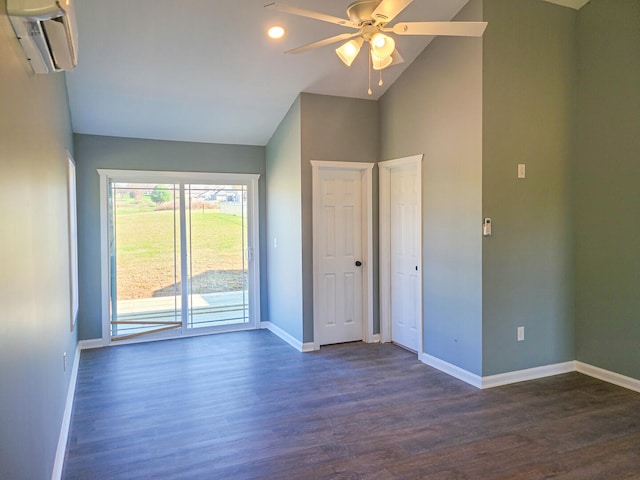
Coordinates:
369	63
380	83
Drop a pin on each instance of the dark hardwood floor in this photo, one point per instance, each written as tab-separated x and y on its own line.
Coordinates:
247	406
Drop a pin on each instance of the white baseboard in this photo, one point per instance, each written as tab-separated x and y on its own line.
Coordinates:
608	376
500	379
309	347
88	344
450	369
294	342
58	463
528	374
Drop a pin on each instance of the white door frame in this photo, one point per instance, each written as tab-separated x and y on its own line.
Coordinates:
366	170
384	170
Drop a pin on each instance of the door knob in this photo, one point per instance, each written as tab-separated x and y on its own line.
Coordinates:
358	263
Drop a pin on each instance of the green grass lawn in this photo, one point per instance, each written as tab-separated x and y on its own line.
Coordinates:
146	253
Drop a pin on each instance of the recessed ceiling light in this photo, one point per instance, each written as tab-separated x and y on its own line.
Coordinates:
276	32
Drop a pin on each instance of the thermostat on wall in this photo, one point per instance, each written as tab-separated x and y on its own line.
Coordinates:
486	227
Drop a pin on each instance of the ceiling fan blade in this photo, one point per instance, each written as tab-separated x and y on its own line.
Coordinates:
283	7
388	9
456	29
322	43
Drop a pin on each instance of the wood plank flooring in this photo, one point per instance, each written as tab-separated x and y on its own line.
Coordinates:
247	406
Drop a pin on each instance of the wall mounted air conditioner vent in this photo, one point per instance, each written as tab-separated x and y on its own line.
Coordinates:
47	32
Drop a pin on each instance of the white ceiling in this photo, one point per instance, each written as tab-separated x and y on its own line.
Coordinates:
204	70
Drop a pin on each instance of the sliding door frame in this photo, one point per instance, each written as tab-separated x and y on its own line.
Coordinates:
253	240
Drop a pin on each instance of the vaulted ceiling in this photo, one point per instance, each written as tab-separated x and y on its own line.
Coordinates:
205	71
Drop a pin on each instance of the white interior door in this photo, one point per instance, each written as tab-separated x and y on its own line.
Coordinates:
339	279
401	252
405	257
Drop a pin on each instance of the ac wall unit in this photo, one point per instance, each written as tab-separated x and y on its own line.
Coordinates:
47	32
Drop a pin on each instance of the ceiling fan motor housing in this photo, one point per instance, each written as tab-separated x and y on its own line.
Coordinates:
361	12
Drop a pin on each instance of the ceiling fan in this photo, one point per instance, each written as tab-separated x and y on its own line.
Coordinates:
370	19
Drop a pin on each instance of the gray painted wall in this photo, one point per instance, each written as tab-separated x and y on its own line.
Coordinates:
435	108
284	225
93	152
606	173
529	84
35	133
333	129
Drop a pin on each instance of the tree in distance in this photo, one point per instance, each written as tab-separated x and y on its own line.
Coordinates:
160	194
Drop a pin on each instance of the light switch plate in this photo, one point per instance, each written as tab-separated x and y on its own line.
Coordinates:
521	170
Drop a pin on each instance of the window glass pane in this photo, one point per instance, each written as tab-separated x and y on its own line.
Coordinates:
217	239
145	258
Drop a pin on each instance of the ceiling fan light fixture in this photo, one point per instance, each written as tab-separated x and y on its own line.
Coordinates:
349	50
371	18
380	63
382	46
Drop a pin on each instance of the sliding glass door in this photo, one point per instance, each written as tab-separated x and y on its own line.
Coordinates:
180	253
217	257
144	258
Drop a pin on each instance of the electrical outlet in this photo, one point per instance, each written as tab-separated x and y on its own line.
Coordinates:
520	334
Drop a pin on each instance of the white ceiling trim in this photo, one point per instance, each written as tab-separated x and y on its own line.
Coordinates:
576	4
